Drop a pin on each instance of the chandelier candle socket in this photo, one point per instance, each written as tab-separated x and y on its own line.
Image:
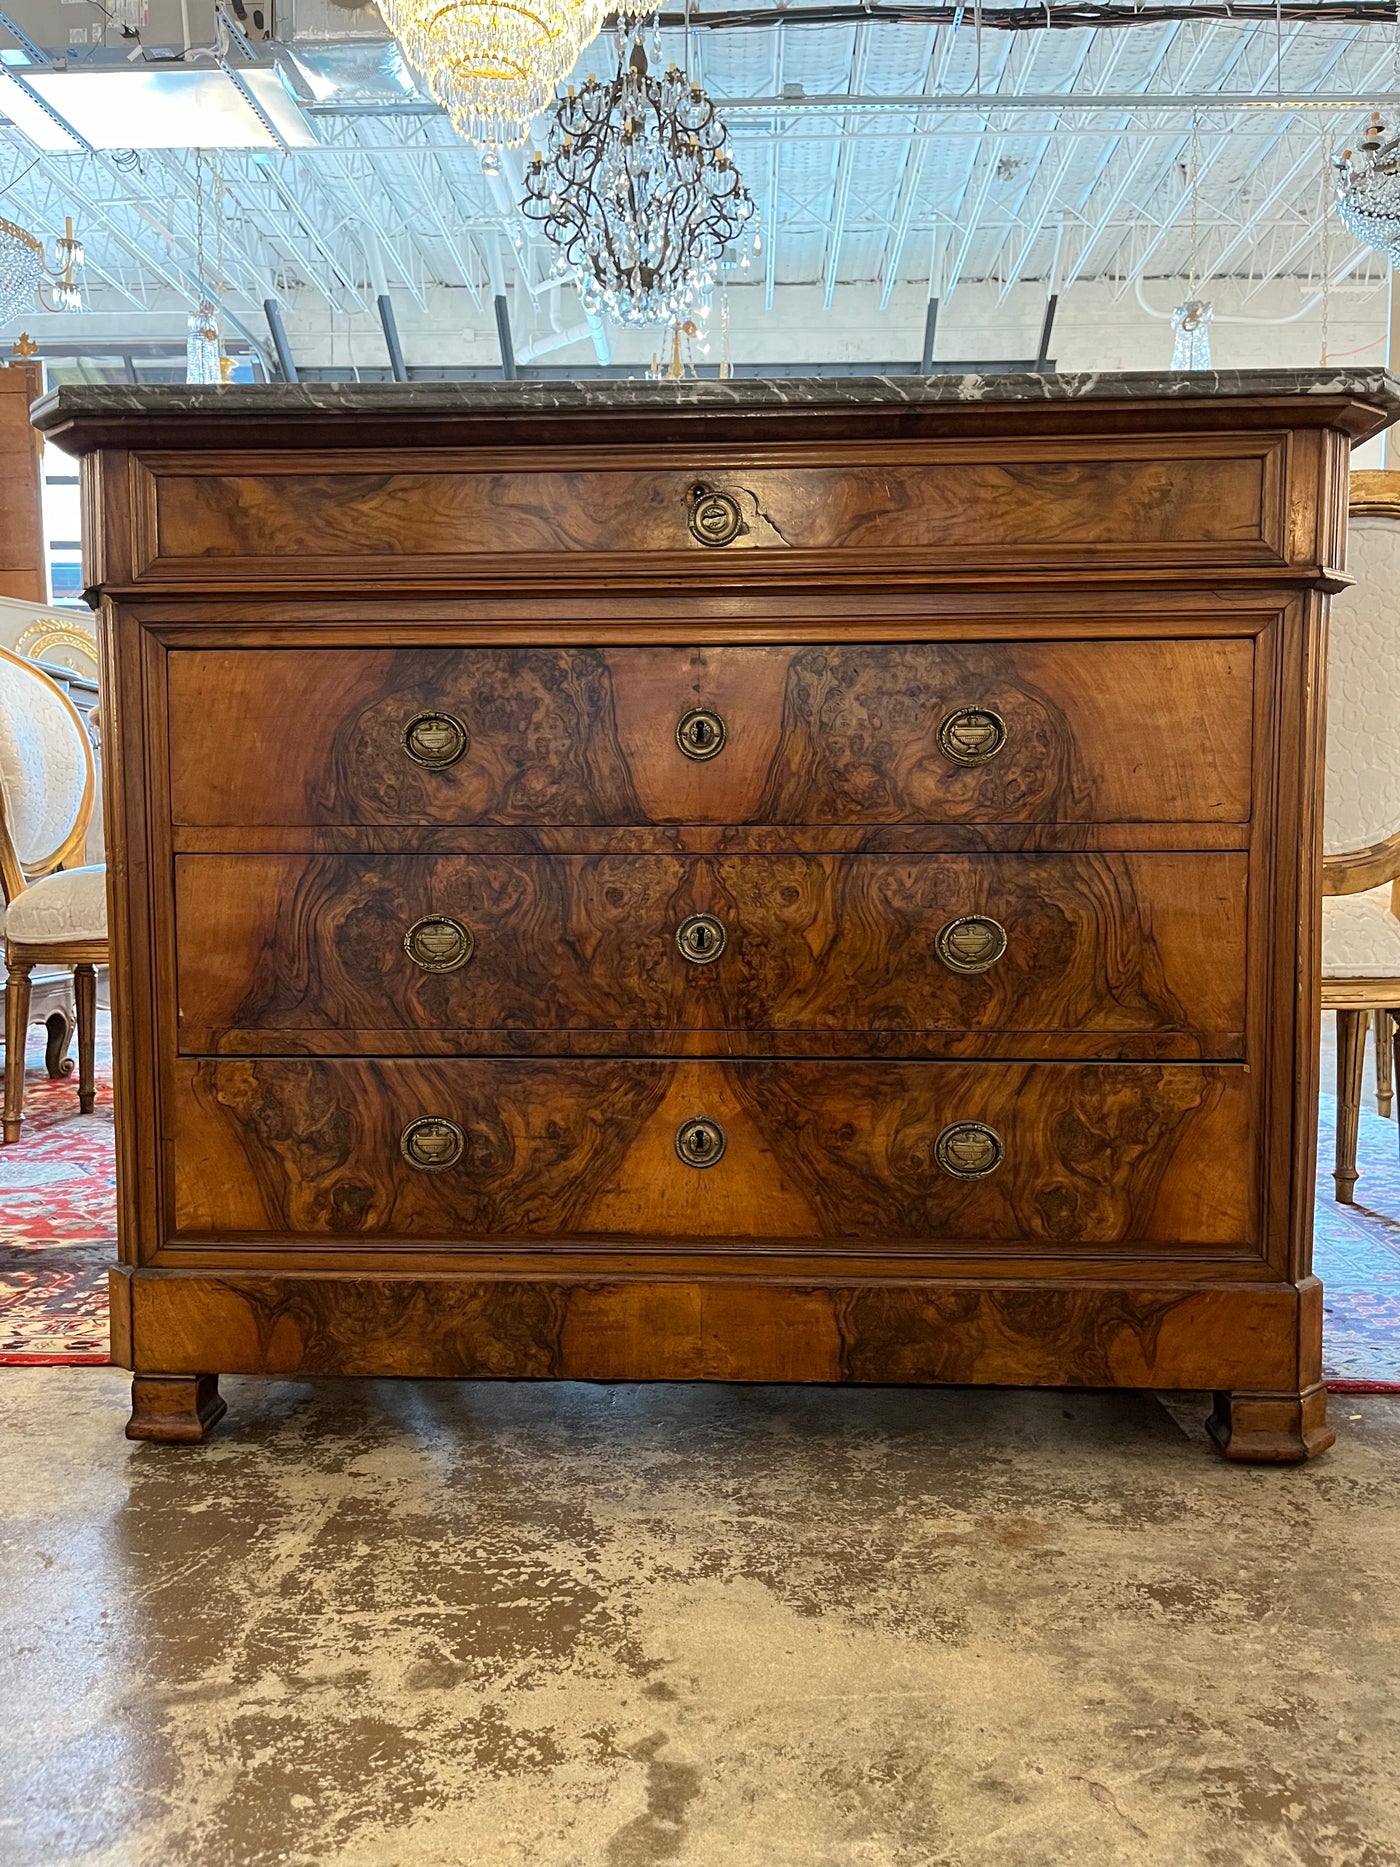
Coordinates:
1368	192
493	65
639	193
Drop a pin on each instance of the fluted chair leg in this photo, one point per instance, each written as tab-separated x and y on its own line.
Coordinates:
1384	1026
16	1030
85	996
1351	1062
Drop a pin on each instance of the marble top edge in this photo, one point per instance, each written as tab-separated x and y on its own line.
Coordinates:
76	400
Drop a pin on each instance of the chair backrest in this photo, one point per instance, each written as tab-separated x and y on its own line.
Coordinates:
46	775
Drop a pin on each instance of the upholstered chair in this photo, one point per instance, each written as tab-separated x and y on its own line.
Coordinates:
54	916
1361	831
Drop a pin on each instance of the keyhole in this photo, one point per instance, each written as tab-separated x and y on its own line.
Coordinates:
700	1143
701	939
700	733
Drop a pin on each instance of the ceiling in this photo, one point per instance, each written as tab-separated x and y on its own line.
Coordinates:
883	155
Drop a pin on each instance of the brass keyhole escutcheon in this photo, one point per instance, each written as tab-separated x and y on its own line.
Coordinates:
972	735
701	733
969	1150
714	518
437	943
432	1143
971	943
700	1142
436	740
701	938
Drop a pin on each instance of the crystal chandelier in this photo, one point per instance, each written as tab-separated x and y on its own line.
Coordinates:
639	193
1368	191
493	65
25	274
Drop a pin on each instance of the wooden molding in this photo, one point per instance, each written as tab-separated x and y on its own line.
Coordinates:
1360	994
57	952
1353	872
1375	493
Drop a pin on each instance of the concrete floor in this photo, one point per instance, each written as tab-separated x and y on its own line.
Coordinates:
415	1625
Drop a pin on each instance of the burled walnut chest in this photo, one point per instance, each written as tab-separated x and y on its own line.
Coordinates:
762	882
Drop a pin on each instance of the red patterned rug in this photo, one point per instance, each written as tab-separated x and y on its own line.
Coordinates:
58	1219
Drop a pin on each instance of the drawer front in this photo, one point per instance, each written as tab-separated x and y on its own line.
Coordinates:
847	1155
876	953
1036	501
1071	732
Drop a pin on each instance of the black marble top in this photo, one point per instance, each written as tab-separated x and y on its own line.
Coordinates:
79	400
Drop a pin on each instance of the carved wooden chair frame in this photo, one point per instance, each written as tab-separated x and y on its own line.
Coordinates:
1359	1002
21	957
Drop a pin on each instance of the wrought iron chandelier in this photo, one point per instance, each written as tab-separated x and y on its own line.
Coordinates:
1368	189
493	65
27	279
639	193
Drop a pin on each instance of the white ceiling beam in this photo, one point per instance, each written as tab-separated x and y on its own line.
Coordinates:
1311	154
1048	192
841	190
1218	148
1116	193
982	164
916	154
775	156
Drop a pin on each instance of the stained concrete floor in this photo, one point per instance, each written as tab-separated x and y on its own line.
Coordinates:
415	1625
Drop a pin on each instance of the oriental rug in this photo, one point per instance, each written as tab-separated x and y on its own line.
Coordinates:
57	1236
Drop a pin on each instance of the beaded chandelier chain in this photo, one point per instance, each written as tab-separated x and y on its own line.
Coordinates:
25	274
1368	189
639	193
493	65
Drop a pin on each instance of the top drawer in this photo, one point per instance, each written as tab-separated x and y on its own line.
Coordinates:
1132	501
833	734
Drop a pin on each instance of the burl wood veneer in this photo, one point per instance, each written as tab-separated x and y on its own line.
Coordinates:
742	882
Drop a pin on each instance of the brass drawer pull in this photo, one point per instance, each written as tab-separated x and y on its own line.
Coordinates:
714	518
701	939
437	943
432	1143
972	735
701	733
700	1142
436	740
971	943
969	1150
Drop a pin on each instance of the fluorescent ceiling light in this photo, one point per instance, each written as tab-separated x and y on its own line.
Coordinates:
144	107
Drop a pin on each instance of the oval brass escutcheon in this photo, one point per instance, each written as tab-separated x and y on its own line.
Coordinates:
701	938
432	1143
969	1150
701	733
972	735
435	740
971	943
714	518
700	1142
437	943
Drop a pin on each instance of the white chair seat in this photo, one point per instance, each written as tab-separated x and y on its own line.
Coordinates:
1360	936
71	905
